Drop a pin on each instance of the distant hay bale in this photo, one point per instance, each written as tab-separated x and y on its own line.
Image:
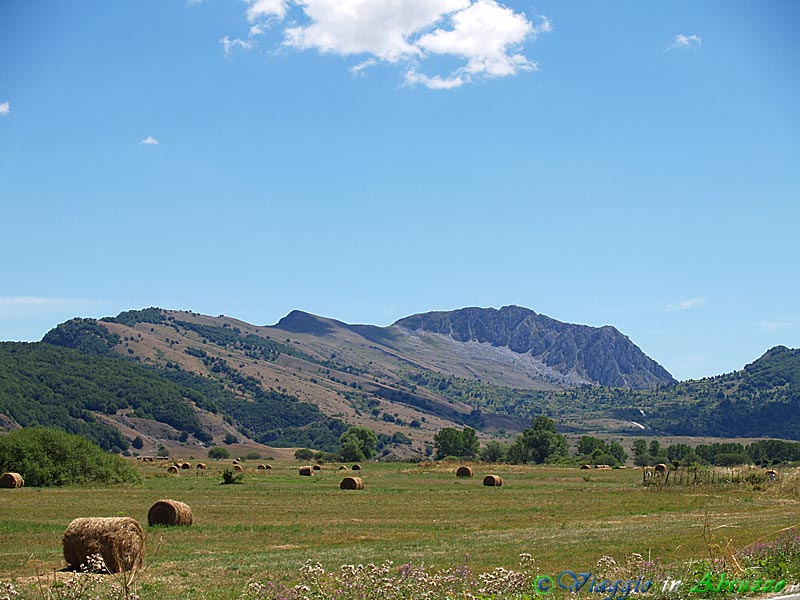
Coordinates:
317	467
356	467
493	481
172	470
169	512
11	480
352	483
771	473
201	465
586	466
186	465
660	468
343	468
307	471
119	540
238	468
464	471
262	467
268	467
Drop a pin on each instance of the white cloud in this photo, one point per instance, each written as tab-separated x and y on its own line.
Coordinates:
486	35
5	108
687	304
436	82
150	141
230	45
685	42
260	9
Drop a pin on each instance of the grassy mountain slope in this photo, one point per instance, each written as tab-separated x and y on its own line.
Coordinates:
300	382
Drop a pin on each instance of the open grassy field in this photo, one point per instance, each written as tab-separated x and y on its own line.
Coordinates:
268	526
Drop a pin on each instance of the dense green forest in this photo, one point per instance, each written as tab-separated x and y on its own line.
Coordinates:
42	384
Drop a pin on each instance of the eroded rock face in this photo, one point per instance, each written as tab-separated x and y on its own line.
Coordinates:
601	354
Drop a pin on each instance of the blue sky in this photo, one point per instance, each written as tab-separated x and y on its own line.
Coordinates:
625	163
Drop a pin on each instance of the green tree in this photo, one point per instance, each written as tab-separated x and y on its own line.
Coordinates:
218	453
616	450
543	441
640	454
493	451
358	443
452	442
46	457
655	448
588	444
138	442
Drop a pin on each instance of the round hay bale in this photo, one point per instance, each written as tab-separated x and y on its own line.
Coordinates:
307	471
201	465
660	469
352	483
119	540
317	467
172	470
268	467
464	472
356	467
169	512
343	468
493	481
186	466
262	467
11	480
238	468
586	466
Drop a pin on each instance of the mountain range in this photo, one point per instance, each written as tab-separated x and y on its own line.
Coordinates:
175	378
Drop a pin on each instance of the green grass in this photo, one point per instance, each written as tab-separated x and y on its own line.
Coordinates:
268	526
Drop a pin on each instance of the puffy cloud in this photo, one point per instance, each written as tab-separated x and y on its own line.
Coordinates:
5	108
383	29
259	9
485	34
231	45
150	141
685	42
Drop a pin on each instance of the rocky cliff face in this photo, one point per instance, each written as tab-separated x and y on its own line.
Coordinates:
600	354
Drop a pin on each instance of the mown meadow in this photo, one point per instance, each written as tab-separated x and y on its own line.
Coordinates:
267	527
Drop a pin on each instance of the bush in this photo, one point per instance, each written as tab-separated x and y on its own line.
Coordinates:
218	453
46	457
304	454
230	476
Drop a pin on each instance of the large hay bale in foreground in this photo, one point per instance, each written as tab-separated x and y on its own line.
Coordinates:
493	481
172	470
464	471
352	483
11	480
119	540
306	471
169	512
